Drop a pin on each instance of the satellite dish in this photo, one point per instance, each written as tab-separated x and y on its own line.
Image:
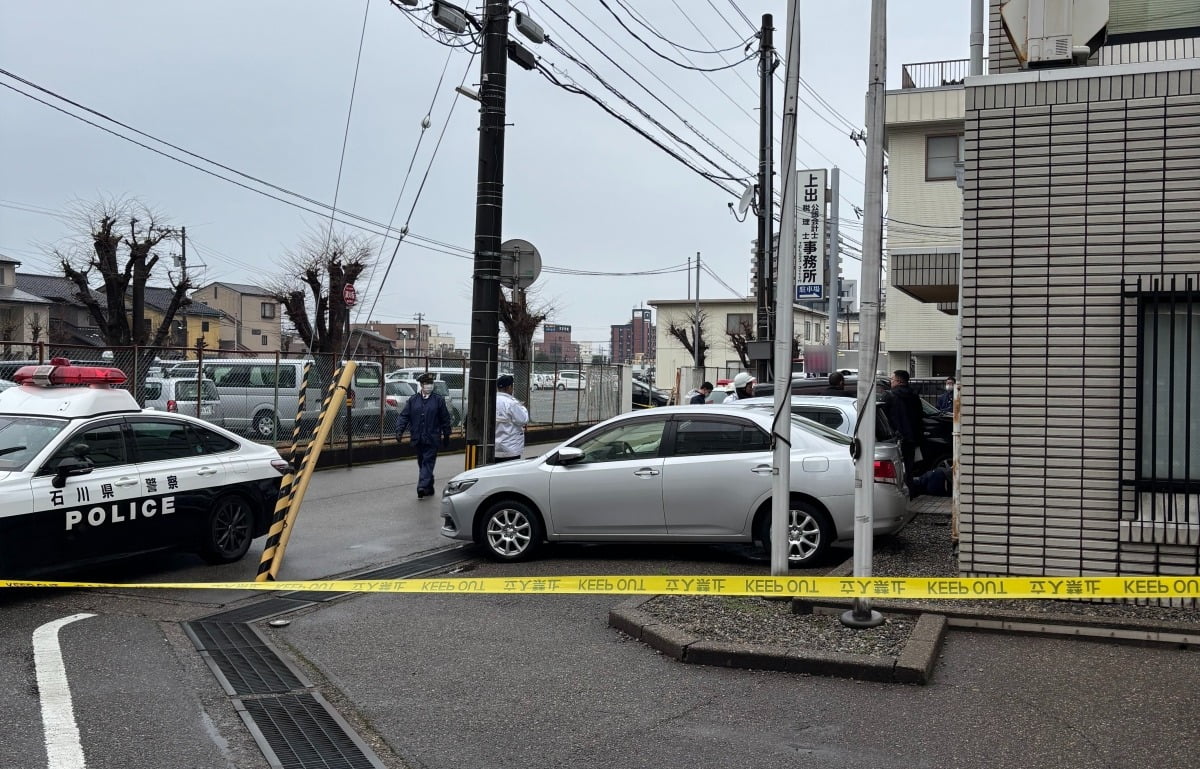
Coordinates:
747	197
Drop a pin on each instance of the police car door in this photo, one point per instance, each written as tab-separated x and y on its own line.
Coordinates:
91	515
178	473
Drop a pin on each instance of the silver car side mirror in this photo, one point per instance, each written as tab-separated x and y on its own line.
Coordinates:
569	455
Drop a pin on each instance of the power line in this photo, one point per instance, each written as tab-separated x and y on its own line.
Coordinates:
672	43
337	188
664	57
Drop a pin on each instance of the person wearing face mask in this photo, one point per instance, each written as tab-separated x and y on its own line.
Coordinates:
427	420
945	401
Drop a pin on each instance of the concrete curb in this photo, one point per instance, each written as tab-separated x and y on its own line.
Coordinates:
914	665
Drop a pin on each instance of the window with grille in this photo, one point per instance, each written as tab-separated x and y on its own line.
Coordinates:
941	153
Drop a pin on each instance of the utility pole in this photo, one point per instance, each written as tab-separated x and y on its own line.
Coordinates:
785	298
698	371
418	318
835	264
766	195
862	616
489	201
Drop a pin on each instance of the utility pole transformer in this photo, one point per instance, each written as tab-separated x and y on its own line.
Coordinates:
489	202
764	280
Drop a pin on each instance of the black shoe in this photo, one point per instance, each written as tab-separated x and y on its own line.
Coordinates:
421	494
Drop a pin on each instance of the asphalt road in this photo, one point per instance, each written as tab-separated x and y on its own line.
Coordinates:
532	681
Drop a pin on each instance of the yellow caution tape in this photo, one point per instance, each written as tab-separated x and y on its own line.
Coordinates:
1156	587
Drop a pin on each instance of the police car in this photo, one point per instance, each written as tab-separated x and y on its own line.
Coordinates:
86	475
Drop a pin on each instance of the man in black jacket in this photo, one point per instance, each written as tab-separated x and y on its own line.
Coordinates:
837	386
904	411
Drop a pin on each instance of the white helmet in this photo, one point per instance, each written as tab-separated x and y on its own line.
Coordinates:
742	379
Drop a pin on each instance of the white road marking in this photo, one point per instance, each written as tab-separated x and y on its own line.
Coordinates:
63	750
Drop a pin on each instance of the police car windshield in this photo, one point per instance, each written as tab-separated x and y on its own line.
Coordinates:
23	438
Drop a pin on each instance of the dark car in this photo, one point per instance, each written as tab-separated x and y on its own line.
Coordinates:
816	386
645	396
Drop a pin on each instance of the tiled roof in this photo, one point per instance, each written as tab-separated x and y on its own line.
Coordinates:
53	287
241	288
160	299
17	296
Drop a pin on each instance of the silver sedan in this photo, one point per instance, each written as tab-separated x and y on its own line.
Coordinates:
675	474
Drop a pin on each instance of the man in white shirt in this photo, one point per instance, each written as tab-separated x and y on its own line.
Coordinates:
511	418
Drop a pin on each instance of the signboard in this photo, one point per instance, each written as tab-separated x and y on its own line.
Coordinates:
810	237
349	295
520	263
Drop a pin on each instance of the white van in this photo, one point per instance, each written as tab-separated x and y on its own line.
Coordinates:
260	396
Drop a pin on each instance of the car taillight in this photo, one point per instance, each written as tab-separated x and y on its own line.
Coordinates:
885	471
392	400
173	407
281	466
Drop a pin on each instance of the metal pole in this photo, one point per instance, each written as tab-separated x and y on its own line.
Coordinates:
698	370
485	291
835	264
766	196
862	616
976	37
785	316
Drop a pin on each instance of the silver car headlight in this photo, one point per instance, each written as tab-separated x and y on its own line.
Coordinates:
457	487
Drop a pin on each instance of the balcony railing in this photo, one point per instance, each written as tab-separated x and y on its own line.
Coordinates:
936	74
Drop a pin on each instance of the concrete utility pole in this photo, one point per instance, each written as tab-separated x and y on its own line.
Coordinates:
766	195
785	298
698	371
862	616
418	317
489	201
835	264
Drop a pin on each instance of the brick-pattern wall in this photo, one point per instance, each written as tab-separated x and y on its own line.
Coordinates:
1001	58
1071	186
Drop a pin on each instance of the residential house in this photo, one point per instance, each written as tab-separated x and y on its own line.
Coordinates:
1080	298
71	327
24	317
251	319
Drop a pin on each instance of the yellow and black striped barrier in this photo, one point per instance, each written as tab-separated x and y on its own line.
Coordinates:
286	486
297	485
911	588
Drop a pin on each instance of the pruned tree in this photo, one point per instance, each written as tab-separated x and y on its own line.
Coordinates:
685	334
738	338
116	251
520	320
311	289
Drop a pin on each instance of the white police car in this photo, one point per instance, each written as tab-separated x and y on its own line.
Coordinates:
86	474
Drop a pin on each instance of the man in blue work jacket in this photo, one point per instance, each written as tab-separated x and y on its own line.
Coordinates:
427	420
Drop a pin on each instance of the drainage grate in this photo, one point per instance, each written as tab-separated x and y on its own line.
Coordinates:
254	670
208	635
403	570
301	731
257	611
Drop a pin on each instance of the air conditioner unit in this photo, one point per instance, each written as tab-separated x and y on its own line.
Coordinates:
1054	33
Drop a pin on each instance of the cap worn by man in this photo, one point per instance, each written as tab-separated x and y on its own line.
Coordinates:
503	381
425	378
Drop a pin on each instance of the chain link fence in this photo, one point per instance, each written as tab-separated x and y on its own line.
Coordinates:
257	395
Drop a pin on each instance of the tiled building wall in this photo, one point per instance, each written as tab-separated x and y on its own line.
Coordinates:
1071	187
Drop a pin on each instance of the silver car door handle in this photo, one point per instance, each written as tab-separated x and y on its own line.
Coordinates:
206	471
645	472
762	470
125	482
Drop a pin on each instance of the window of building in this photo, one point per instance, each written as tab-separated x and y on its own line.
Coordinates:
1169	397
204	326
807	330
264	340
941	153
268	310
3	276
739	323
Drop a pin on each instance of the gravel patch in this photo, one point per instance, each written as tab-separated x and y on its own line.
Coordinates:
771	622
923	549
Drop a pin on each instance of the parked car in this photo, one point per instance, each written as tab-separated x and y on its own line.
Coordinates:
645	396
841	414
570	380
261	397
397	392
87	474
937	439
543	381
817	385
6	383
679	474
178	396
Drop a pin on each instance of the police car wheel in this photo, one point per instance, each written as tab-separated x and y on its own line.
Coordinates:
510	531
264	425
228	532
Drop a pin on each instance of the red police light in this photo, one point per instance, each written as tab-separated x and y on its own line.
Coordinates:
59	371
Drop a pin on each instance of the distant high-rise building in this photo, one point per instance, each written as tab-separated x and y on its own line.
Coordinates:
556	343
635	340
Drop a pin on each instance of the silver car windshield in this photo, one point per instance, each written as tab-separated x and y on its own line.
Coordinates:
23	438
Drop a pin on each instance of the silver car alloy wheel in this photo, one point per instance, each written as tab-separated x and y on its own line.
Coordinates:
804	535
508	532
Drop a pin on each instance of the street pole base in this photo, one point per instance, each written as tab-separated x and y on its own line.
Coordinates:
862	620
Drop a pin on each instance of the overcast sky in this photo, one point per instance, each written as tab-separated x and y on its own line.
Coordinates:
263	86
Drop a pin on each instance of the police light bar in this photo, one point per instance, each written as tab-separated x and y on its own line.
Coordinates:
59	371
